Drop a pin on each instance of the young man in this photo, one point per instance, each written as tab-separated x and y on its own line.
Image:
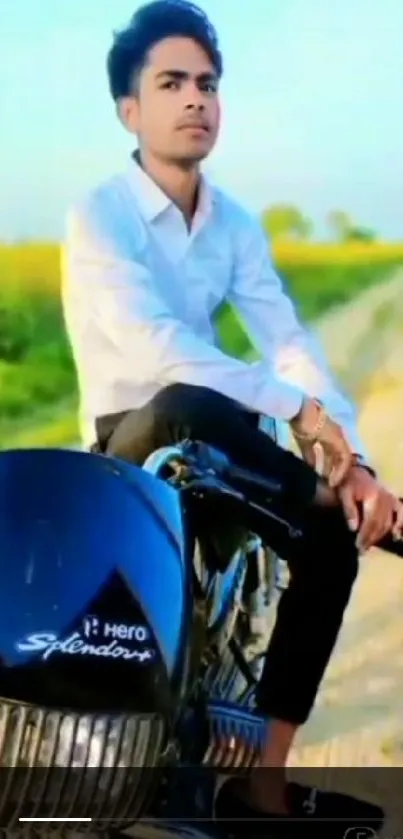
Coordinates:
151	253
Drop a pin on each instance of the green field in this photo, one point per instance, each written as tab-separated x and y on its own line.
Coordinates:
37	379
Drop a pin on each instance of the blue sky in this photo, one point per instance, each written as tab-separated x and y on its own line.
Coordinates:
313	107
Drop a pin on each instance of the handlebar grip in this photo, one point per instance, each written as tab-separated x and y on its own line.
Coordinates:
391	545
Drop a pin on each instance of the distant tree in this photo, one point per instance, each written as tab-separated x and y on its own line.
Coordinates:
283	221
361	234
346	230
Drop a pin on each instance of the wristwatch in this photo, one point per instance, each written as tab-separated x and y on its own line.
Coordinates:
359	460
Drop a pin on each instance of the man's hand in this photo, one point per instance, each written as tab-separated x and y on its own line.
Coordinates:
382	512
314	430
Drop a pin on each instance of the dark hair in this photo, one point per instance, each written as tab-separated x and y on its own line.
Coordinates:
149	25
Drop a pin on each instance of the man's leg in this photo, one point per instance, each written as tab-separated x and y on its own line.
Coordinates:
183	411
323	564
323	567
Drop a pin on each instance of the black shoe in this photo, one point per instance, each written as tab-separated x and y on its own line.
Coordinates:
312	813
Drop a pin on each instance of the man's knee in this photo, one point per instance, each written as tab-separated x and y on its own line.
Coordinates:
334	553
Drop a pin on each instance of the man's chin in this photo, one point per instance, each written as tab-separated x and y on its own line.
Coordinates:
188	159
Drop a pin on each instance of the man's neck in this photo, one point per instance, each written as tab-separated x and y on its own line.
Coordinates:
181	185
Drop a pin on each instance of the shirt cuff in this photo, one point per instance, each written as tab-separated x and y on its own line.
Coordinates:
288	404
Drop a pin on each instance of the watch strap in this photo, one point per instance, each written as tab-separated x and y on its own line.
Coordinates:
359	460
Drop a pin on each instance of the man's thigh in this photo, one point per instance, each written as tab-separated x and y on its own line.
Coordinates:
326	550
133	437
177	412
188	412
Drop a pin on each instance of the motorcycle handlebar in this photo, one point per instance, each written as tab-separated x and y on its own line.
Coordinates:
272	488
245	476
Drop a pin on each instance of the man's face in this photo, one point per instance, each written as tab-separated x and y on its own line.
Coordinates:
176	111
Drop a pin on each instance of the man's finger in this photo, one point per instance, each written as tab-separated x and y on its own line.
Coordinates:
369	515
320	460
382	520
340	469
349	506
377	520
309	456
327	465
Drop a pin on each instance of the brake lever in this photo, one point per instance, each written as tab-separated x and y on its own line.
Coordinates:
211	483
293	532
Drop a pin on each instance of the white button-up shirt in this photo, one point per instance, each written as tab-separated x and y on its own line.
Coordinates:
140	291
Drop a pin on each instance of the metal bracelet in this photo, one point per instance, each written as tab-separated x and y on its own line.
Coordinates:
320	422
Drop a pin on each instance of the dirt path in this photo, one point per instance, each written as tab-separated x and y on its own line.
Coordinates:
358	721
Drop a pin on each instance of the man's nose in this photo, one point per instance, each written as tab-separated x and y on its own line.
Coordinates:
195	99
195	105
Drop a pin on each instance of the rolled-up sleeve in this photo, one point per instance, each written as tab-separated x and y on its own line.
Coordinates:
107	282
270	318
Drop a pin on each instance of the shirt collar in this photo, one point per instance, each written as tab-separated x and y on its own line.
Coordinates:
152	201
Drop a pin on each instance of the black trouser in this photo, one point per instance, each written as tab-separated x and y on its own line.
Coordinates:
323	563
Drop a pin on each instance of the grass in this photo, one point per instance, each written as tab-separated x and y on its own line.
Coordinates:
37	378
61	429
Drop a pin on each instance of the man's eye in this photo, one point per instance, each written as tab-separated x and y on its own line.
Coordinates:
209	87
171	85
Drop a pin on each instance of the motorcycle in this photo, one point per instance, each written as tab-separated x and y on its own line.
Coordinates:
135	611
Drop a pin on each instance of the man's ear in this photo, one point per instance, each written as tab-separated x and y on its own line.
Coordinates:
128	113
